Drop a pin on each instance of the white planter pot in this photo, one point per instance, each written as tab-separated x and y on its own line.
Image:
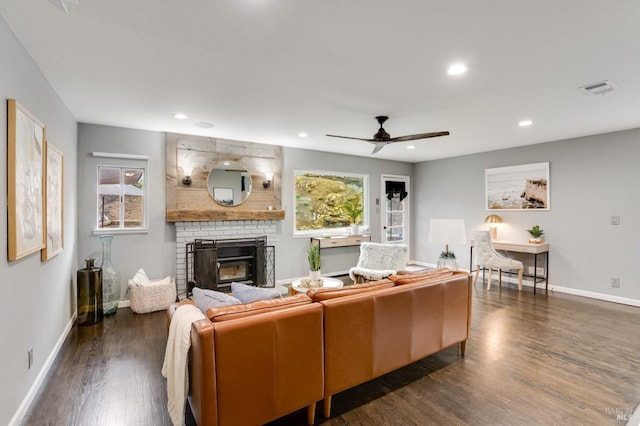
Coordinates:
354	229
314	275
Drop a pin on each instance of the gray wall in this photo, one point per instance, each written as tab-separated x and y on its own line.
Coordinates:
153	251
39	297
291	253
591	179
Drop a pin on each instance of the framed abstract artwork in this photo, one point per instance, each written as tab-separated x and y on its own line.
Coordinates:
26	143
54	207
523	187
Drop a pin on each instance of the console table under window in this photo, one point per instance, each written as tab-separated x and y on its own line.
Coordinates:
534	250
339	241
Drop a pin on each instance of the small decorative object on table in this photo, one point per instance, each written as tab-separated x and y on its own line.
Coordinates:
313	256
536	235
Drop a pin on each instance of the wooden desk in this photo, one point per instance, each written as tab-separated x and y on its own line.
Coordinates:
534	249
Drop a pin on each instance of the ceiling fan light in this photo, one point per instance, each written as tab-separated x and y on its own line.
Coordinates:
525	123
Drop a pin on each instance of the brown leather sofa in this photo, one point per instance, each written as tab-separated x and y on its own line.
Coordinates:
250	364
370	334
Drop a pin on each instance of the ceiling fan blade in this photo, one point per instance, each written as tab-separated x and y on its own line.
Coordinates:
378	147
418	136
349	137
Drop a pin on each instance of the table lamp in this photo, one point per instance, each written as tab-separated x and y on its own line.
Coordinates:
493	220
447	231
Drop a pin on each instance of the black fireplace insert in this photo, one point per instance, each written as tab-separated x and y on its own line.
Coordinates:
215	264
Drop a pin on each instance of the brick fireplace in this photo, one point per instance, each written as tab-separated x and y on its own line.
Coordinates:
189	232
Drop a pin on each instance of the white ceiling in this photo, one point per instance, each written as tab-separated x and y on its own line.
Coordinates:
265	70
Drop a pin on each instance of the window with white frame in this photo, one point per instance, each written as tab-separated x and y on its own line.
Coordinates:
328	202
122	198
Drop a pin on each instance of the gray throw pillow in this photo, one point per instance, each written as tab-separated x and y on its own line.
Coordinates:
205	299
248	293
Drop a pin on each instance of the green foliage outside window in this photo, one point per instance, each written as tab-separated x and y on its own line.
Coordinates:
329	201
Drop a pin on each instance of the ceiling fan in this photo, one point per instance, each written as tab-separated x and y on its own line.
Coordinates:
382	138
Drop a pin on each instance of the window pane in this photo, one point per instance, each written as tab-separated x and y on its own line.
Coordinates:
133	198
108	197
326	201
395	219
395	204
394	234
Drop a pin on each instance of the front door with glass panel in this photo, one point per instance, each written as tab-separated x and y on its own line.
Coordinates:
395	226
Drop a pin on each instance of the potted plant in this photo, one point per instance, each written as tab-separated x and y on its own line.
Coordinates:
353	207
536	235
313	256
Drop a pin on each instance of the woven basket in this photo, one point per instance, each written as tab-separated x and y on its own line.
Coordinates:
152	297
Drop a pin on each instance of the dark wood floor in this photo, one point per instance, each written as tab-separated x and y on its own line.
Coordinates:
555	359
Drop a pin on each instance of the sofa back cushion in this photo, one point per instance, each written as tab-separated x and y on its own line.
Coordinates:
227	313
426	276
318	294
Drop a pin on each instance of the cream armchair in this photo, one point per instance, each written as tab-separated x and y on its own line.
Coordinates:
487	257
378	261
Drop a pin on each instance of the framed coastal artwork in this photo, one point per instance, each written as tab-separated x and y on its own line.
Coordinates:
523	187
26	143
54	171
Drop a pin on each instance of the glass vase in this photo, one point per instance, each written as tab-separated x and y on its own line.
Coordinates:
110	279
89	295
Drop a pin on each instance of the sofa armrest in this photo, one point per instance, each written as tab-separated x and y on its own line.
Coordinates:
202	393
172	310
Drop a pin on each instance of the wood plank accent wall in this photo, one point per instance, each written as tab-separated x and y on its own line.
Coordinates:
193	203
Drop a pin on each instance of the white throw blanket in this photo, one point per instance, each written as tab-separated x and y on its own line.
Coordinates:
175	360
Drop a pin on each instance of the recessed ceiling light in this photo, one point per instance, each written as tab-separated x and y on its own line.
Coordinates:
525	123
302	135
457	69
226	163
180	116
411	147
203	124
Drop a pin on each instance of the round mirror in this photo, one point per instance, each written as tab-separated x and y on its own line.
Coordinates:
229	184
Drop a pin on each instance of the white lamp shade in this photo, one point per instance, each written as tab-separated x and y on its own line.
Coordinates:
187	171
268	176
447	231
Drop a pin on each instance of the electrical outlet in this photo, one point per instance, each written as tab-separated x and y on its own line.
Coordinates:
615	282
615	220
30	358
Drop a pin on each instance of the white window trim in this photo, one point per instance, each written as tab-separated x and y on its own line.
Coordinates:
138	159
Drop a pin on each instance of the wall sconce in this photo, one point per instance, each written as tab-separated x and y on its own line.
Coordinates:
268	176
187	175
493	220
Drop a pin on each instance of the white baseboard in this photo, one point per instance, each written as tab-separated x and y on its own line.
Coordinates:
594	295
28	399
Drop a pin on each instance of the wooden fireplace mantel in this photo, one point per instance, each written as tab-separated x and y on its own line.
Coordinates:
219	215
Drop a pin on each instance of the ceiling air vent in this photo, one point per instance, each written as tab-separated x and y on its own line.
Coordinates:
599	88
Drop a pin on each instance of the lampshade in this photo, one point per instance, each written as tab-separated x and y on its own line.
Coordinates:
447	231
493	218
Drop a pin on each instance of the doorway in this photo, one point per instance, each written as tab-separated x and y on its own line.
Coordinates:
396	209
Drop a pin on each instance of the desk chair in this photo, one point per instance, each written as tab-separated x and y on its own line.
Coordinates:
488	257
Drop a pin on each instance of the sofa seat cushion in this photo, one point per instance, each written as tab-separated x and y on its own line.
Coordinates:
227	313
318	294
410	278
